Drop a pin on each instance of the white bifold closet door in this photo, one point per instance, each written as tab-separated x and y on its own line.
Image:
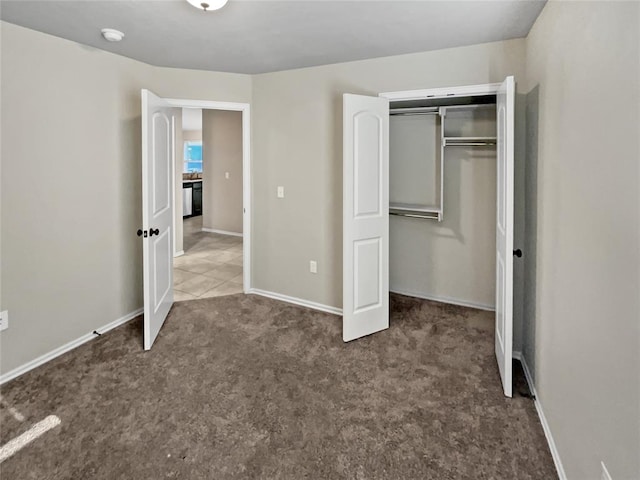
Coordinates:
505	109
157	212
365	216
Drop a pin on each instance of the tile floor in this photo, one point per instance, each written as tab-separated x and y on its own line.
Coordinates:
211	265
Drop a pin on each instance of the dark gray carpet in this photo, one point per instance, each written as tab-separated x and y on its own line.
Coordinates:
247	387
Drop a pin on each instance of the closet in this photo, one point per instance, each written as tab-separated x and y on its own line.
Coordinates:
442	200
428	204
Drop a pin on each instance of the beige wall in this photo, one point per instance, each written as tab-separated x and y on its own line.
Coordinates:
221	154
71	180
177	172
297	143
583	307
181	137
193	135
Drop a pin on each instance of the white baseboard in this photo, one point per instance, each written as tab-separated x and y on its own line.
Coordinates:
296	301
453	301
222	232
16	372
543	419
178	254
338	311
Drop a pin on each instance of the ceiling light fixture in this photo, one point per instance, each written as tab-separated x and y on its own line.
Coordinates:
112	35
208	5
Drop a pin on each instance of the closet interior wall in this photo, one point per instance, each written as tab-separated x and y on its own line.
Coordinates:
452	260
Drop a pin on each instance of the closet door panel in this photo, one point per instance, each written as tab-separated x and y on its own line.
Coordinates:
365	216
367	282
368	164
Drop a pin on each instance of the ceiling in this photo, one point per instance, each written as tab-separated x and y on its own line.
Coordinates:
257	36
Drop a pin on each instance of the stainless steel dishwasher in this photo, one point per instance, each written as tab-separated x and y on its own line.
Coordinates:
187	199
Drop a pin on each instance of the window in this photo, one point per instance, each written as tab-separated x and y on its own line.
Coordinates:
192	157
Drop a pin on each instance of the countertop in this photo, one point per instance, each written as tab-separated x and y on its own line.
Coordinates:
192	181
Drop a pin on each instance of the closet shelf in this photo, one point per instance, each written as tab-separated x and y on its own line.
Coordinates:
415	211
469	141
471	106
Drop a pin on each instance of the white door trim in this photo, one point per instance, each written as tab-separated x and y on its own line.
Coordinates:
463	91
245	108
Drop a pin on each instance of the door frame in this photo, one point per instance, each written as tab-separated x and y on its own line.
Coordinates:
443	92
245	108
452	92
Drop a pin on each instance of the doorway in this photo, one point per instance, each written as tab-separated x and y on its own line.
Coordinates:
211	261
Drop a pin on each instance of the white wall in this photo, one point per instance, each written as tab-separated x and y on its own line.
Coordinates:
222	154
71	180
297	143
583	307
192	119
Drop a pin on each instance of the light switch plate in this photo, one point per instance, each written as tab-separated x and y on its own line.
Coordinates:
4	320
280	192
226	175
313	266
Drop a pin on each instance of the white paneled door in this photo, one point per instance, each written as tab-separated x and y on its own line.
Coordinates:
157	212
505	110
365	216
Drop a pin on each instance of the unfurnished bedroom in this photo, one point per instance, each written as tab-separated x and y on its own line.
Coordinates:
286	239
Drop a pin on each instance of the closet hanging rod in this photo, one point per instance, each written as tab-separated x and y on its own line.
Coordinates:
469	141
430	216
472	144
408	114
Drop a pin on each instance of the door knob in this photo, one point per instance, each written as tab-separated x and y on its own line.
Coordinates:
517	253
153	232
142	233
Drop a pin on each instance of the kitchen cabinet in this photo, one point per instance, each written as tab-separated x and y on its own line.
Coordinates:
197	198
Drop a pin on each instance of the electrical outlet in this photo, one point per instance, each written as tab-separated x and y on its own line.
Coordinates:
604	475
226	175
313	266
4	320
280	192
